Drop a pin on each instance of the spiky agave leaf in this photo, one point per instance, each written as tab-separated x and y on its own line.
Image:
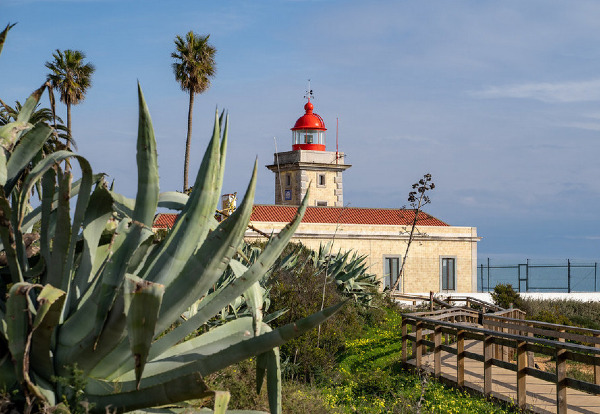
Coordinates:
107	306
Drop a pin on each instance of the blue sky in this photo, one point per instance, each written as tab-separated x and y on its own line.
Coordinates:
499	101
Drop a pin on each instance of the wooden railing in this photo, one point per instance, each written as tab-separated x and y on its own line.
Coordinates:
470	301
446	302
509	342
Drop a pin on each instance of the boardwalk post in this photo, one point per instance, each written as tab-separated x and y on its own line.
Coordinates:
460	358
419	344
530	360
561	338
503	348
561	381
521	375
597	367
437	351
488	344
404	340
496	346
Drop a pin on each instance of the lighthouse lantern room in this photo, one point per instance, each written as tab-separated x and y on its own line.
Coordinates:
309	165
309	131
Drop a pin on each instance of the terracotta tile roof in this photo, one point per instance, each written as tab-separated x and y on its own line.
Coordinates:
164	220
345	215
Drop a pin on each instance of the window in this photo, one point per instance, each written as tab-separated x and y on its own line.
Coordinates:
308	138
448	274
391	271
288	180
321	180
321	203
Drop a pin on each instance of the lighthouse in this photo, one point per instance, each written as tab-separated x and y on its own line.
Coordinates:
309	165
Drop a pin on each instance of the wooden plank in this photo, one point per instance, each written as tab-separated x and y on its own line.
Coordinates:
418	344
505	365
561	382
539	374
404	340
553	326
583	386
437	352
597	366
547	332
541	393
460	358
487	365
583	358
530	359
521	375
510	337
449	349
474	356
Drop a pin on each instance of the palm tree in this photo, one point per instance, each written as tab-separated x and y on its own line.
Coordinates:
71	78
194	66
45	115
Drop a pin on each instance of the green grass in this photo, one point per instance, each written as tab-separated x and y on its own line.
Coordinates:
370	379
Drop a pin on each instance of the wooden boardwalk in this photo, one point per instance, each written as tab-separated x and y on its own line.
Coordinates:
493	353
541	395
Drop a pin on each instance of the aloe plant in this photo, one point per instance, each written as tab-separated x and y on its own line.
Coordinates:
104	300
348	270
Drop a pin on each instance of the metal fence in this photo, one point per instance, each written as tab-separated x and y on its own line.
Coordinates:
528	277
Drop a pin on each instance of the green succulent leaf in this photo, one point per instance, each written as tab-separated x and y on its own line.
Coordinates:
17	325
269	362
184	238
47	317
142	303
185	387
28	146
147	163
207	309
4	33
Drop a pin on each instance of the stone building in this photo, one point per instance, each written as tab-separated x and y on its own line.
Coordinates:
442	258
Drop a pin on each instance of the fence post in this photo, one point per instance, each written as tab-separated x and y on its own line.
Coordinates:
460	358
569	275
419	342
521	375
561	381
527	276
488	344
481	277
488	262
404	340
437	351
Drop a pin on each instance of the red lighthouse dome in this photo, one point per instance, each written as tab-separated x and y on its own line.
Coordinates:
309	131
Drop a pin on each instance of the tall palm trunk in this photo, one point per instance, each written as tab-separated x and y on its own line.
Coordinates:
188	142
69	127
67	165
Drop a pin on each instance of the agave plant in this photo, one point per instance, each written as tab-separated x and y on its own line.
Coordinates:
103	301
348	270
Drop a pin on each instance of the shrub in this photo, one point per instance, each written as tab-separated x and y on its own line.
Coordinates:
300	291
504	296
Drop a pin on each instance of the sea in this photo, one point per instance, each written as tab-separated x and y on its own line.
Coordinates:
539	276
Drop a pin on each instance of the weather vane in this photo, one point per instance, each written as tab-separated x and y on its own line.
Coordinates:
309	92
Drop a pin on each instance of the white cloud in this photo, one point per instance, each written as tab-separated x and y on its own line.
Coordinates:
575	91
590	126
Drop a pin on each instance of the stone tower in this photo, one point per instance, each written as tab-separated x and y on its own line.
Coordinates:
309	165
